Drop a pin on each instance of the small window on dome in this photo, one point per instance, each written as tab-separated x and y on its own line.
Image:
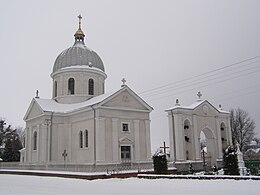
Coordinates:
91	87
71	86
55	89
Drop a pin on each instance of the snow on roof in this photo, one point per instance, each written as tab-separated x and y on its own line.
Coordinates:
81	67
195	105
53	106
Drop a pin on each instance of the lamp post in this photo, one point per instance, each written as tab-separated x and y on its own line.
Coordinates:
64	154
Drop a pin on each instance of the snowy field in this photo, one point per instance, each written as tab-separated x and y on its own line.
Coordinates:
34	185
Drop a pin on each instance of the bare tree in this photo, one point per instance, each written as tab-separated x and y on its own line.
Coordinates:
21	132
242	127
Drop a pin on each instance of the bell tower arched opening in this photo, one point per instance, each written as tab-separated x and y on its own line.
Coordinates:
223	132
187	139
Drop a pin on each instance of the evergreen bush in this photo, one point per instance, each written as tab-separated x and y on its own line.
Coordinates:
230	161
160	163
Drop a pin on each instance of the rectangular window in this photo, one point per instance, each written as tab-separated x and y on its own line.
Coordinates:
125	127
125	153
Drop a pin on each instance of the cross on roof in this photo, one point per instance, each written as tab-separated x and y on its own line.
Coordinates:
199	95
37	94
123	81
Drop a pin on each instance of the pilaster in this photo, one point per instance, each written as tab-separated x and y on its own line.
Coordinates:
137	140
115	139
148	139
196	137
100	140
172	137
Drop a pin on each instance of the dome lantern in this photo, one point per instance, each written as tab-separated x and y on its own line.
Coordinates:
79	34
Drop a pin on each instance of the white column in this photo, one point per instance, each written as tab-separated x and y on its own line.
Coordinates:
26	145
179	137
196	137
38	144
48	142
219	141
29	136
43	144
148	139
100	140
171	137
229	139
137	140
115	139
69	134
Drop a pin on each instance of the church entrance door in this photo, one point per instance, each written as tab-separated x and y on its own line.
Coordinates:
125	154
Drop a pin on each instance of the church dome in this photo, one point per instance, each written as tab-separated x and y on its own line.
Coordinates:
78	54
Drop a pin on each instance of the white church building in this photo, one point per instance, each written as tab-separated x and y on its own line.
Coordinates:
81	124
188	125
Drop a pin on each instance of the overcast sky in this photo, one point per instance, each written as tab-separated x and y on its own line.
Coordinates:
159	46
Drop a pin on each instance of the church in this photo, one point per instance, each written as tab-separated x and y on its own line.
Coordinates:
81	124
198	135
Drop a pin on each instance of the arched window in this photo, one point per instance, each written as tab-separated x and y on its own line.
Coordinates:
86	138
80	139
187	139
223	136
71	86
91	87
55	88
35	140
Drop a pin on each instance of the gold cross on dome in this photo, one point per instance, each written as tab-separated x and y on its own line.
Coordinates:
79	17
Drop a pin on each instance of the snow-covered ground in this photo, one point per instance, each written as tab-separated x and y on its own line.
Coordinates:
34	185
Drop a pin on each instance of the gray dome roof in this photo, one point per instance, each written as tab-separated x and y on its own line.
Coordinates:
78	55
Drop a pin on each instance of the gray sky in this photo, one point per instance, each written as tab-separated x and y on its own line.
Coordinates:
152	43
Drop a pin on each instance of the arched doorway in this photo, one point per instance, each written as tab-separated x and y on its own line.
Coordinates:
208	147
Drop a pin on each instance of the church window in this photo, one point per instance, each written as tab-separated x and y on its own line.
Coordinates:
35	140
125	127
91	87
86	138
55	89
71	86
223	136
125	153
80	139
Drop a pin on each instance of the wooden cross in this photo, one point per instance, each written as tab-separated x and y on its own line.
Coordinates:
164	147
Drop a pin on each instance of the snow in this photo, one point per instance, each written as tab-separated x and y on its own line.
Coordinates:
31	185
53	106
195	105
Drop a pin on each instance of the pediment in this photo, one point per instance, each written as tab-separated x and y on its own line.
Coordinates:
127	99
206	109
33	111
125	140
